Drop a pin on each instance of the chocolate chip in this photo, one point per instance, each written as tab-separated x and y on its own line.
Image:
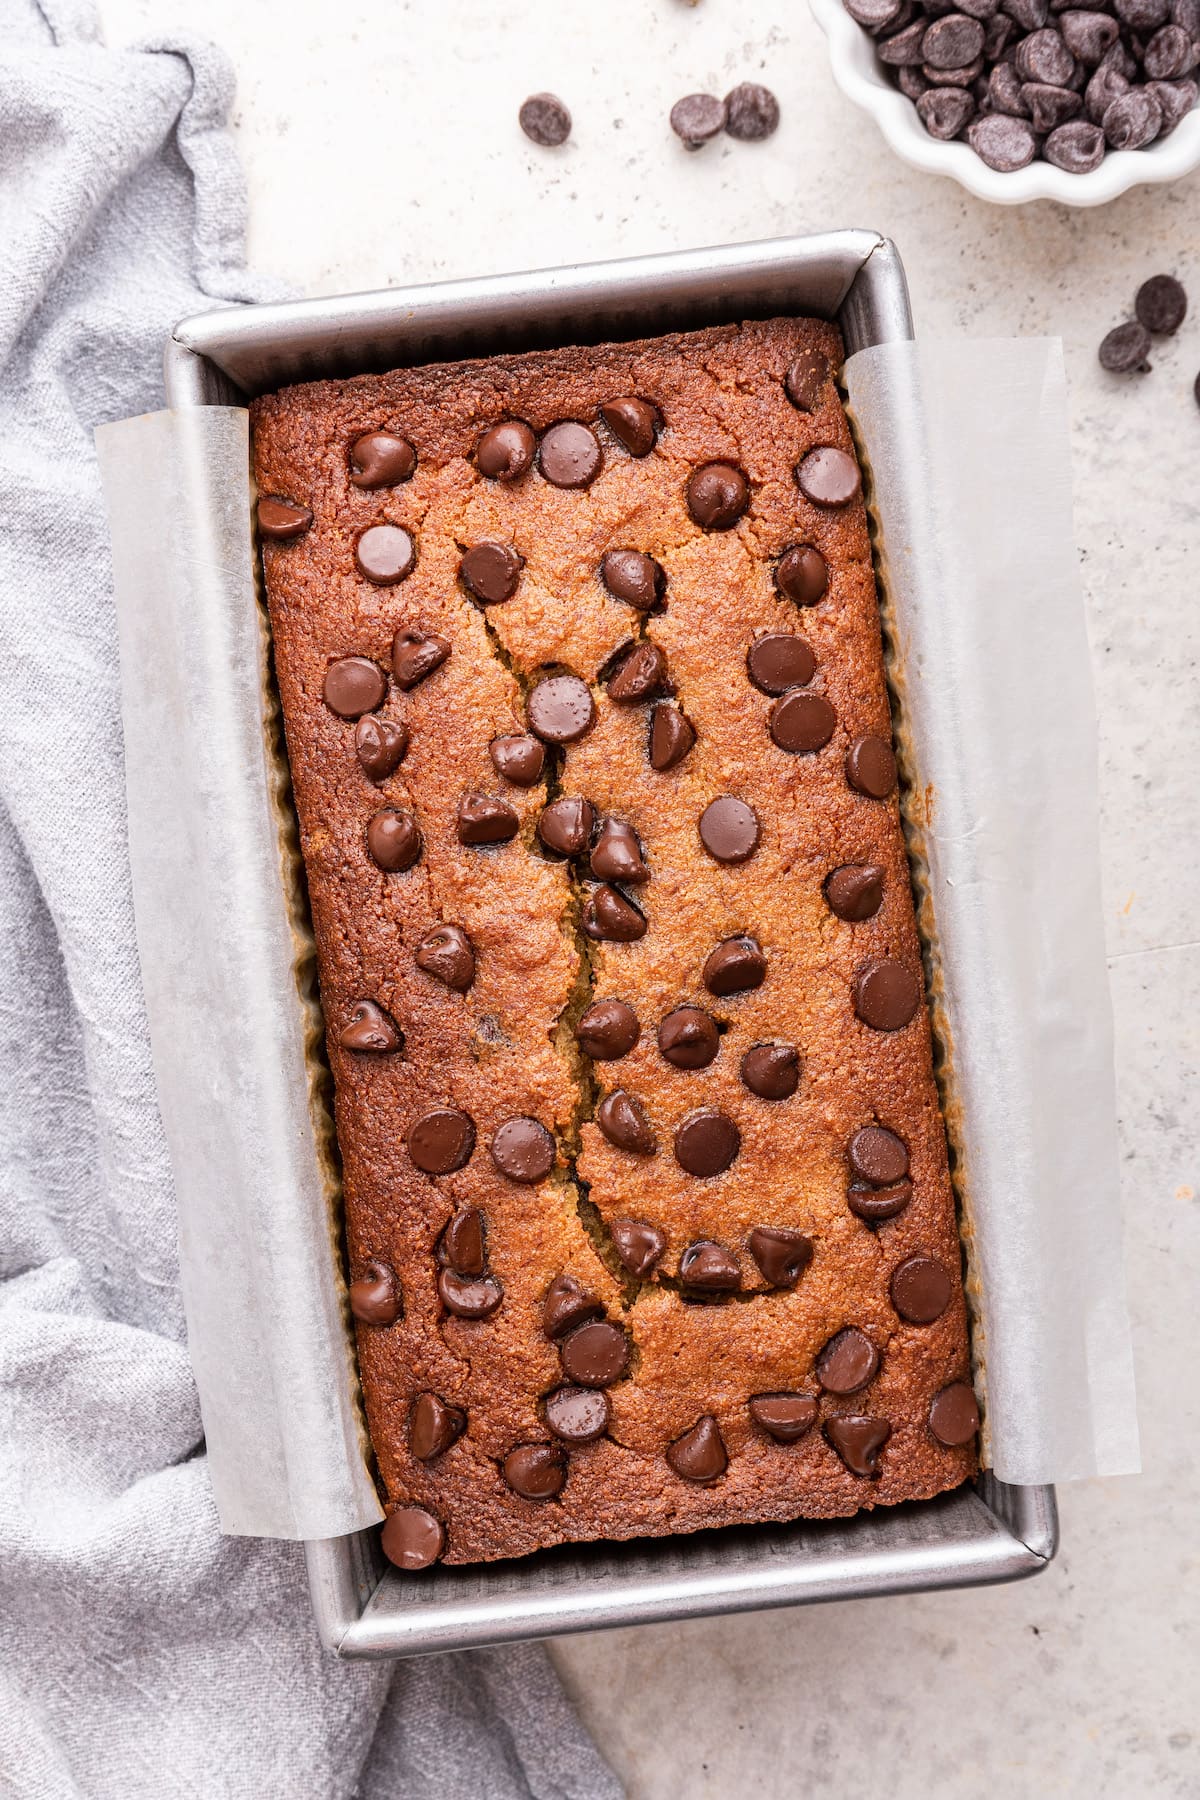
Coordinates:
442	1140
871	767
523	1150
801	723
954	80
954	1415
952	42
566	1305
829	476
772	1071
998	32
921	1289
394	840
873	15
848	1362
1049	107
1177	99
672	735
886	994
378	460
1003	143
607	1030
778	662
469	1297
1105	86
1005	91
784	1417
622	1119
858	1442
735	966
561	709
1088	35
944	112
707	1142
1076	148
710	1267
461	1245
805	380
639	676
1142	15
802	575
696	118
1042	56
905	46
874	1205
634	578
1161	304
566	825
1132	121
354	685
482	819
375	1296
505	451
781	1254
280	520
1126	348
545	121
370	1028
617	854
688	1038
578	1415
854	891
416	654
610	918
911	82
381	746
447	954
700	1454
491	571
638	1245
717	496
570	455
729	829
1030	15
385	554
877	1155
519	759
751	112
633	422
412	1538
595	1355
535	1471
433	1426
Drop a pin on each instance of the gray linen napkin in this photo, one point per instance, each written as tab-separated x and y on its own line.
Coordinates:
141	1654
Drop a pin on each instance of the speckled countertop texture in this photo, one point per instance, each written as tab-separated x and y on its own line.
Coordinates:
381	146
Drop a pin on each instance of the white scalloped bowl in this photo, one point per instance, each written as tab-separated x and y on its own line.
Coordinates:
861	77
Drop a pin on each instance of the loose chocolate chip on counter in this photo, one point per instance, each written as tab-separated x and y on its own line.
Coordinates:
545	120
858	1441
877	1155
779	661
717	496
729	829
1076	148
1161	304
781	1254
734	967
905	46
279	520
617	854
700	1454
595	1355
829	476
805	380
610	918
484	820
535	1471
491	572
379	459
801	723
433	1426
886	994
385	554
394	840
855	891
519	758
381	746
638	1245
566	825
370	1028
874	1205
784	1417
751	112
375	1296
567	1305
622	1118
707	1142
505	451
461	1244
560	709
945	112
523	1150
578	1415
469	1297
1088	35
412	1538
772	1071
672	735
642	675
1133	120
710	1267
952	41
569	455
1126	348
697	118
416	654
954	1415
441	1141
607	1030
921	1289
688	1038
354	685
802	575
1003	143
633	422
447	954
848	1362
871	767
630	576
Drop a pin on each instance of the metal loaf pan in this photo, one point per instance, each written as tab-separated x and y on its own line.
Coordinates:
986	1532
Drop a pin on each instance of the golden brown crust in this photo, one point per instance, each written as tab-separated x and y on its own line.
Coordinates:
505	1047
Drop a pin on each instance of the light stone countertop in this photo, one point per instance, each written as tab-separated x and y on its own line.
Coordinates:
381	146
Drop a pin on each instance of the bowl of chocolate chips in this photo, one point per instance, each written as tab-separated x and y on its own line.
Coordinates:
1027	99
